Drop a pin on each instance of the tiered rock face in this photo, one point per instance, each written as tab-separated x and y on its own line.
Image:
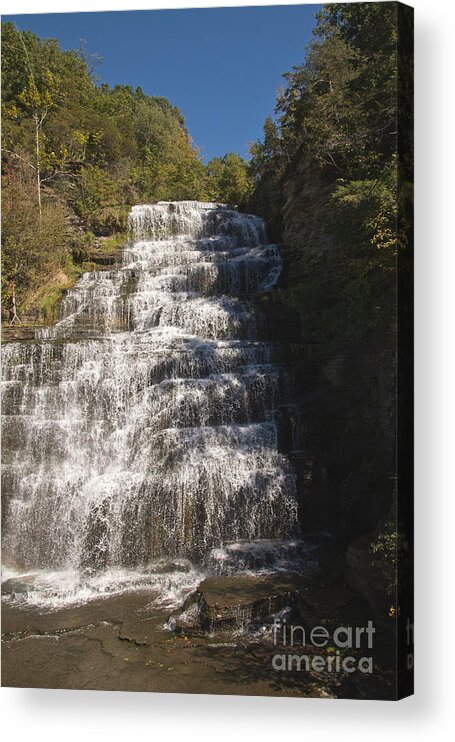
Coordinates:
142	425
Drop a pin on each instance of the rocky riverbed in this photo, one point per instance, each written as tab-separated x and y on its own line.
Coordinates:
226	646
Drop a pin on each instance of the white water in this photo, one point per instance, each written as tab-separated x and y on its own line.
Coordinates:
141	426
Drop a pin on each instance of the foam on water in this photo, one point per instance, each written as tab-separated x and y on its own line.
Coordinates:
61	588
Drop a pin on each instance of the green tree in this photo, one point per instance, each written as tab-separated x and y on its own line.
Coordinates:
33	241
230	179
337	114
91	149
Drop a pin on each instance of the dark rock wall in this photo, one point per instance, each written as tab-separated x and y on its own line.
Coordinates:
343	406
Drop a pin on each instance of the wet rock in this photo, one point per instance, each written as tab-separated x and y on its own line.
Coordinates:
365	578
17	587
235	602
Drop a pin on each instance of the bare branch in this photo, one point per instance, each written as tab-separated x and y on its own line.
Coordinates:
59	172
10	152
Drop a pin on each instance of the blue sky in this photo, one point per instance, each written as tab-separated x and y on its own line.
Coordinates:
220	66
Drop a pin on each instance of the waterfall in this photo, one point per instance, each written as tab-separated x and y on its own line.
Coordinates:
139	432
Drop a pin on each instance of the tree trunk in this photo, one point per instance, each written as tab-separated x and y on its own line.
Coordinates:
15	317
38	177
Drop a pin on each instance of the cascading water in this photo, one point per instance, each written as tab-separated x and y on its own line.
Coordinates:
139	432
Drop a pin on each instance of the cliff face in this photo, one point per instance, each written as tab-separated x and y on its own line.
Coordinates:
307	191
343	362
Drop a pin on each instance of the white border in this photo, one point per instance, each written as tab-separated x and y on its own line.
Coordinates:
75	715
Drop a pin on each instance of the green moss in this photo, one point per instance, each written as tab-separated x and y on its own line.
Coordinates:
42	304
109	244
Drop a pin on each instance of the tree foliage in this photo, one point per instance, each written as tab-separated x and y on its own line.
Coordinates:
229	179
338	109
90	148
34	245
